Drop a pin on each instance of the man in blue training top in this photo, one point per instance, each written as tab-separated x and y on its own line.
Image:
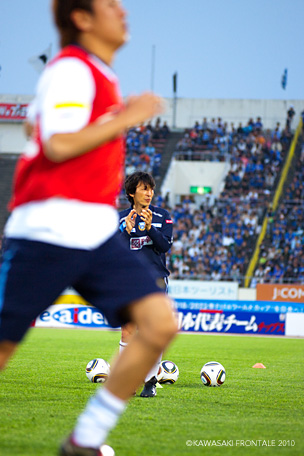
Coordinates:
147	230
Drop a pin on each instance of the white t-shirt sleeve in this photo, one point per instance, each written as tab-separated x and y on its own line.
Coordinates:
65	96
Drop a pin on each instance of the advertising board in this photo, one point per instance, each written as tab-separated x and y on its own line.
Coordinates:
10	112
280	292
231	322
195	313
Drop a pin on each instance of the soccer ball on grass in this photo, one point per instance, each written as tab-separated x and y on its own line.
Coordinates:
98	370
168	373
213	374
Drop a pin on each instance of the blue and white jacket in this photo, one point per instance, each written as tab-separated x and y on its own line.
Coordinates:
153	244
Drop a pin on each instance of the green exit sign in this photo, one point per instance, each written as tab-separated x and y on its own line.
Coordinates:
200	190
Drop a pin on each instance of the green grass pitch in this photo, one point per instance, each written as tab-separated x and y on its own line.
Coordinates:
255	412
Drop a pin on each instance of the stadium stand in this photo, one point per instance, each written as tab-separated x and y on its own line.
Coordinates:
281	258
149	148
216	241
145	147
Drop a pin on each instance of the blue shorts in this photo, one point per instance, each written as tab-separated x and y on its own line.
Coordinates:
34	274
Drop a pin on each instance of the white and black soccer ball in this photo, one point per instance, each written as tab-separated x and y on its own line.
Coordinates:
98	370
213	374
168	374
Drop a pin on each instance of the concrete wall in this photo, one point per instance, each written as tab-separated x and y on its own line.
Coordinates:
12	138
21	99
247	294
183	174
188	110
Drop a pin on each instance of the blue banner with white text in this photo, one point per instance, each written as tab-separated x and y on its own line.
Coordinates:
218	321
240	306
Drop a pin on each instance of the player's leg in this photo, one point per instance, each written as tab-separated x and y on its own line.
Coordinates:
157	326
124	291
149	390
7	349
8	340
127	332
32	276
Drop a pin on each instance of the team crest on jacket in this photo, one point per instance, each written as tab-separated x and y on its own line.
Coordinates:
142	226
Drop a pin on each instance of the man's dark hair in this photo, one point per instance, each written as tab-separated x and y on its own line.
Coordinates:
132	181
62	10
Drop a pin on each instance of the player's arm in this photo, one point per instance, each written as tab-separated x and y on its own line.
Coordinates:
28	128
163	238
64	146
126	224
123	232
30	119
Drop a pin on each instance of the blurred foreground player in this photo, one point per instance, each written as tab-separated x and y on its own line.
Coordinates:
147	232
63	230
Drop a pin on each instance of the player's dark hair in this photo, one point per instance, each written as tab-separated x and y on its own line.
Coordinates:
62	10
132	181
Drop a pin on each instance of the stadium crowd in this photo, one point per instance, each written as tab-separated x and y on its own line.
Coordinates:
282	253
213	140
216	240
144	148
